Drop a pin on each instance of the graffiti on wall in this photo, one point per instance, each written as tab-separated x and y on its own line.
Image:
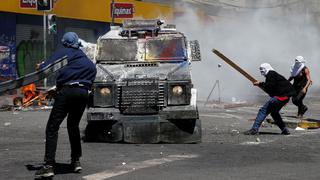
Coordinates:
29	53
7	57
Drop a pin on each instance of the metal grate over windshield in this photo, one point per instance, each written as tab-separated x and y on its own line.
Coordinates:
166	49
142	50
117	50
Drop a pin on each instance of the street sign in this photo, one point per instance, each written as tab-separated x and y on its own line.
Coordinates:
122	10
44	5
28	4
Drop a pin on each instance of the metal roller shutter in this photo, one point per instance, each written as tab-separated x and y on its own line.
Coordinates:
29	40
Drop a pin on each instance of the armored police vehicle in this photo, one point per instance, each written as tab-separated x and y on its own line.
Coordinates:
143	92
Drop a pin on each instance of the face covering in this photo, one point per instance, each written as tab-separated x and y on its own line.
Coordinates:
71	39
297	66
265	68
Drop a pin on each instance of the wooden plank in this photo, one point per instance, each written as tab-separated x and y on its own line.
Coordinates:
234	65
35	76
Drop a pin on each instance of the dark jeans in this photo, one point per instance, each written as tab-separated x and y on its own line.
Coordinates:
298	101
71	102
272	106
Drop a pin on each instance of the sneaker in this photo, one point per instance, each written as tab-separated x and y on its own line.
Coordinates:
46	171
251	132
76	166
285	131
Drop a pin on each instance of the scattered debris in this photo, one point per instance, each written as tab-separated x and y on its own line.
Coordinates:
251	143
237	104
269	120
34	98
7	124
123	163
46	107
299	129
6	108
235	132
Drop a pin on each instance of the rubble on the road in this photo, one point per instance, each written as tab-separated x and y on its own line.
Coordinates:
299	129
237	105
7	124
224	105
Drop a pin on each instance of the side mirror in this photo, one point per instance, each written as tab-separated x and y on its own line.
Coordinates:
194	53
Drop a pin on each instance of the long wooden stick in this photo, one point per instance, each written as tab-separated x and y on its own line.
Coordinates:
235	66
34	76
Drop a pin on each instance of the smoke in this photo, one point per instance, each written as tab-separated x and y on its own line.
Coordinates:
249	39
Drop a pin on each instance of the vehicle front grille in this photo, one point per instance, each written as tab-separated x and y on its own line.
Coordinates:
140	96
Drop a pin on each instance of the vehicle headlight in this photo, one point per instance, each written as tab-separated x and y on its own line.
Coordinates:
105	91
177	90
179	93
103	95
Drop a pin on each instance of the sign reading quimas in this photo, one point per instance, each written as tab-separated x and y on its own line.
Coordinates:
122	10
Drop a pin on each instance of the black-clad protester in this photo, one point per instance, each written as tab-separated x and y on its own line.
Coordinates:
280	90
73	82
300	75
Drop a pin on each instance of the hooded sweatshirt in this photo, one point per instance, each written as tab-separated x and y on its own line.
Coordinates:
300	79
79	68
275	84
297	67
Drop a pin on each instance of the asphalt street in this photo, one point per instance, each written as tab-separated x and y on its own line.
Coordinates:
224	154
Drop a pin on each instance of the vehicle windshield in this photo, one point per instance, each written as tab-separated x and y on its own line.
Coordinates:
117	50
150	49
165	49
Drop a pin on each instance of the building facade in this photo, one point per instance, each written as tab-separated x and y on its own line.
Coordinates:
22	27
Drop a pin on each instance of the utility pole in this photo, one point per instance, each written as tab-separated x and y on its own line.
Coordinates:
44	35
112	13
44	5
44	42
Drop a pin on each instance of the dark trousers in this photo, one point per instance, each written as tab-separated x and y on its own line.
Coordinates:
273	106
298	101
71	102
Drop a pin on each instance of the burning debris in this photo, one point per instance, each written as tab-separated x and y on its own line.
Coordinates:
34	97
31	96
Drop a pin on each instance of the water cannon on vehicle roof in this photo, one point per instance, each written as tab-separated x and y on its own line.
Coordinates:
137	27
